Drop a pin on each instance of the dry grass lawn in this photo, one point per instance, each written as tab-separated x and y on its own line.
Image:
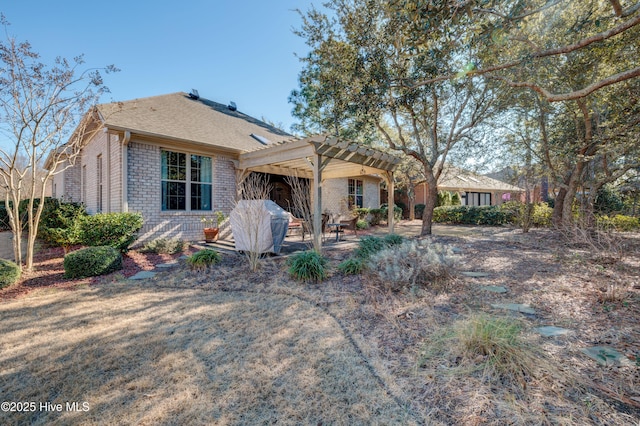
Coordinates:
159	356
228	346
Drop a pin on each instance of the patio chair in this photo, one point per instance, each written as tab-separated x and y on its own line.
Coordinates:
305	227
350	224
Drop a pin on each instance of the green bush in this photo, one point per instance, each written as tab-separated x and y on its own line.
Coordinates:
619	223
369	245
412	264
472	215
542	214
397	212
361	212
60	223
376	217
308	266
9	273
117	230
164	246
4	218
92	261
351	266
418	210
204	259
362	224
393	239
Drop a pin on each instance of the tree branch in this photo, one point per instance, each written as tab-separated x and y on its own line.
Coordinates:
577	94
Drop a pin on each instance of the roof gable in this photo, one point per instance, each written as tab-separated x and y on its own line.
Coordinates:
178	116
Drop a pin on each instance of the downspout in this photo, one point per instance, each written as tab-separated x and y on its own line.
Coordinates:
108	172
125	171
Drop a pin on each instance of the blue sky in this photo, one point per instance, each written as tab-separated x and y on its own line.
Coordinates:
241	51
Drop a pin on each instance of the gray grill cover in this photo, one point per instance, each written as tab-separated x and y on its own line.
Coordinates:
259	225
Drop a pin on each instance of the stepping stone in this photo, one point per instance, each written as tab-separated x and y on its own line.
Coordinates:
606	355
551	331
183	257
456	250
525	309
142	275
167	265
494	288
475	274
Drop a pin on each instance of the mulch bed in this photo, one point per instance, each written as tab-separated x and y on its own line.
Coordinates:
48	271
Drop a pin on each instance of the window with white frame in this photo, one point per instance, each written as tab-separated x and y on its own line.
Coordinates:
186	181
356	189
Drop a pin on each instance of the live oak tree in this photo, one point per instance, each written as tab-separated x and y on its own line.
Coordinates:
40	106
359	79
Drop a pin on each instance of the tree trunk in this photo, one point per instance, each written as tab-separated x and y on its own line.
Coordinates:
429	204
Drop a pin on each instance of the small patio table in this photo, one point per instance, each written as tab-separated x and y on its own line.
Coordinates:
338	227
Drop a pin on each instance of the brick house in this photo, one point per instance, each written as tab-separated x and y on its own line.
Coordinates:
176	158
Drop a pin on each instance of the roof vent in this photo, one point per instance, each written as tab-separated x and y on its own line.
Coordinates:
261	139
232	106
194	94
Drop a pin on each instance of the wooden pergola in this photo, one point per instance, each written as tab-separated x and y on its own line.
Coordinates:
318	158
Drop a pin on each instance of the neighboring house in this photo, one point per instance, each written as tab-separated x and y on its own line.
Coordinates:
473	189
178	157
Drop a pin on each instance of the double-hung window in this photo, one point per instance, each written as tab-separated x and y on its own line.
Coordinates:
186	181
355	193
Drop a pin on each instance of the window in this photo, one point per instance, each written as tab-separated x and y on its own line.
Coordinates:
99	184
476	199
186	181
355	193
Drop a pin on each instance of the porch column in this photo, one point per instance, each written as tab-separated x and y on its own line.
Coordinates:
390	188
317	201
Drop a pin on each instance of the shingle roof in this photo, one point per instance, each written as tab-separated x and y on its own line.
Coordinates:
454	177
178	116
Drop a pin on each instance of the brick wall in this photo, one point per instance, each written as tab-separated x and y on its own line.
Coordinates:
144	195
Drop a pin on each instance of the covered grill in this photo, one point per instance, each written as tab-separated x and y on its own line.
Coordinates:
259	226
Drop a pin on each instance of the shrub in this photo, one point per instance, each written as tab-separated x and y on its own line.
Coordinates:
58	214
419	210
352	266
619	223
397	212
308	266
393	239
164	246
4	218
542	213
362	224
376	217
117	230
92	261
412	264
361	212
472	215
204	259
369	245
9	273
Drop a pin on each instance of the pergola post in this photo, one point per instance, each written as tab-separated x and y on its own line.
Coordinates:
317	202
390	202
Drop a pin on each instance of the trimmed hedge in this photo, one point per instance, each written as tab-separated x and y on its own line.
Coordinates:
619	223
117	230
92	261
473	215
9	273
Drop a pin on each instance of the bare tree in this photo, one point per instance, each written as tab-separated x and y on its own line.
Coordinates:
39	107
249	215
